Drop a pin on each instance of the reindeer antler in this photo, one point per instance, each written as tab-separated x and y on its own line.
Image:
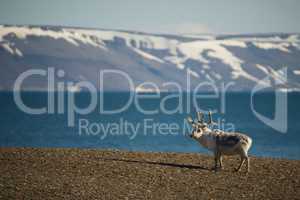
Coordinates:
200	117
190	120
210	122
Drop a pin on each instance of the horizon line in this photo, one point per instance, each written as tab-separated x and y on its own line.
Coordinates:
147	32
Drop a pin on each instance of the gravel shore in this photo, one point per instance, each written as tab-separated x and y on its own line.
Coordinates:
41	173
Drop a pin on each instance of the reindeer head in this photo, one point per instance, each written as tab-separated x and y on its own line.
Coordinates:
199	126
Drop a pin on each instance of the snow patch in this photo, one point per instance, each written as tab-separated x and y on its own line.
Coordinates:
296	72
216	75
147	55
234	43
293	38
262	68
206	66
209	78
8	48
216	50
193	73
178	61
69	36
280	46
11	50
133	39
18	52
141	89
277	75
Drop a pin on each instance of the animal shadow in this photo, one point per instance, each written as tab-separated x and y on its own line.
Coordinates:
177	165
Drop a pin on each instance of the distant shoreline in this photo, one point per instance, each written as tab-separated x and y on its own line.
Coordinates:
109	174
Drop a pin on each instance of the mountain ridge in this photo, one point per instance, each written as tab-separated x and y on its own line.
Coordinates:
81	53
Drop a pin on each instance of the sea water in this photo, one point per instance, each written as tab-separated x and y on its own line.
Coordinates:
134	130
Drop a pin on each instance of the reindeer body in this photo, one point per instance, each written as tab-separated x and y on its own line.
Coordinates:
207	139
222	143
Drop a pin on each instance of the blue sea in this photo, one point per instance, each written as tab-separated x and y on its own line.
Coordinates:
134	130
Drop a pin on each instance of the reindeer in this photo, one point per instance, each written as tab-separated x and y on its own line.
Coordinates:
220	142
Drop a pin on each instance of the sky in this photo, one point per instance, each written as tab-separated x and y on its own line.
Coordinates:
159	16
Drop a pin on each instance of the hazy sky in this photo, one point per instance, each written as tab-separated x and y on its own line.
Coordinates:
176	16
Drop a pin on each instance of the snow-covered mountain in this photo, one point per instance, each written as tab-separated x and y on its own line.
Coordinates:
82	53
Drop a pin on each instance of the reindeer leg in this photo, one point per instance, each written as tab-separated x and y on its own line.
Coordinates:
220	160
248	164
217	160
241	163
